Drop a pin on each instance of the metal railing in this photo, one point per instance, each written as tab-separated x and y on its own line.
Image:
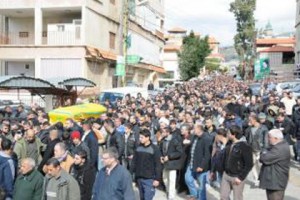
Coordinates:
48	38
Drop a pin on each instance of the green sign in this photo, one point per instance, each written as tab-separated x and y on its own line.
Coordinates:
261	68
133	59
120	69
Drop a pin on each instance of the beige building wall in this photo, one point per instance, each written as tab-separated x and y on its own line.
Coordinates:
297	26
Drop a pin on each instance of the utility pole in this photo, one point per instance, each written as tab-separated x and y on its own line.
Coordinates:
125	37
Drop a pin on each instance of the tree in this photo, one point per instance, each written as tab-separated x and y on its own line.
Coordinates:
212	64
244	40
192	56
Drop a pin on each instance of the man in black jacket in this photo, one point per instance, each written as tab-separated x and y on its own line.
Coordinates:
172	150
288	128
91	140
84	173
198	163
146	166
238	163
49	152
114	139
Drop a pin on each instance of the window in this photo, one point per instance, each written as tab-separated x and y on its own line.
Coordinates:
113	1
288	58
23	34
112	40
61	28
44	33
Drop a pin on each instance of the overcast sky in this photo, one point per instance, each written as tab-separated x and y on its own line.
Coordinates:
213	17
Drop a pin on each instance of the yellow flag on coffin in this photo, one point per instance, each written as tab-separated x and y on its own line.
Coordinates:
77	112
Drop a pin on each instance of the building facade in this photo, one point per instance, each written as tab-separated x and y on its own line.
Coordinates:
78	38
297	36
174	39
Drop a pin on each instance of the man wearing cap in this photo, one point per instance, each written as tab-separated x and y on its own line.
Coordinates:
263	120
78	145
275	161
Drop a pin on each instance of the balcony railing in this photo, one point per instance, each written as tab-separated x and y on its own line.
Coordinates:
62	38
48	38
17	38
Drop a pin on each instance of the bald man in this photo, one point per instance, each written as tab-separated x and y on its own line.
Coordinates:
29	146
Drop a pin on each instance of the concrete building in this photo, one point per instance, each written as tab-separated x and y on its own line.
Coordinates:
80	38
174	39
280	52
297	36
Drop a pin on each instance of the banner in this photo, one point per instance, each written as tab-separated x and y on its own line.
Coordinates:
120	68
261	68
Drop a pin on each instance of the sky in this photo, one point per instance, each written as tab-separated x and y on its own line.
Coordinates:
212	17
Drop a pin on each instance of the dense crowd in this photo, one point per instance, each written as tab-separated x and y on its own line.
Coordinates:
200	132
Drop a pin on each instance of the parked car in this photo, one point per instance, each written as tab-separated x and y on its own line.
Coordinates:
286	86
119	93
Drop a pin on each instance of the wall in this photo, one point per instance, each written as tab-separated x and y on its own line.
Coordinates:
149	51
297	34
97	30
53	68
17	25
17	68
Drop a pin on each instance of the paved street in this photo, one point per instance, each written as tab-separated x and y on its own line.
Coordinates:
250	193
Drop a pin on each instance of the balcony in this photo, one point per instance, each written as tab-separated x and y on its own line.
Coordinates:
17	38
48	38
62	38
19	4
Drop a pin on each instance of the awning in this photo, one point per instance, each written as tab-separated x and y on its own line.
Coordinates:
96	53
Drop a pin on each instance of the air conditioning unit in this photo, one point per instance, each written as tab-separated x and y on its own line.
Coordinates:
77	21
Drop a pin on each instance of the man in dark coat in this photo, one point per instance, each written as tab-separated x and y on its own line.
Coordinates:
115	139
84	173
49	152
274	173
91	140
172	150
198	163
288	128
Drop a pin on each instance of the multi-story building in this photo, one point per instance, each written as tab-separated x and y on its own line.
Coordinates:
297	36
280	52
80	38
174	40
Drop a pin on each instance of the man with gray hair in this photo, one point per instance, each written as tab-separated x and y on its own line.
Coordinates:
29	184
275	161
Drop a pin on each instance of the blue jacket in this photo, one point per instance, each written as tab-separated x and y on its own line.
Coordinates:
116	186
8	168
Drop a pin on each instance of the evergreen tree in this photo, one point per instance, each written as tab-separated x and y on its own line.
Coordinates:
192	56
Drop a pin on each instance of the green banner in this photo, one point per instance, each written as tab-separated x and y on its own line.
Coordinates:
133	59
120	68
261	68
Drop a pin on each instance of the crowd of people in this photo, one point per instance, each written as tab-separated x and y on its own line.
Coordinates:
200	132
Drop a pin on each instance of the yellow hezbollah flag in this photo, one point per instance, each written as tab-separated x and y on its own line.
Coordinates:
77	112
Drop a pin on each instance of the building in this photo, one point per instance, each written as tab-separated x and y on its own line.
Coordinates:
280	52
297	36
174	39
80	38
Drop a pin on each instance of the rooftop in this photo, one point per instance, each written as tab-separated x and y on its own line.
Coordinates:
177	30
278	49
268	41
